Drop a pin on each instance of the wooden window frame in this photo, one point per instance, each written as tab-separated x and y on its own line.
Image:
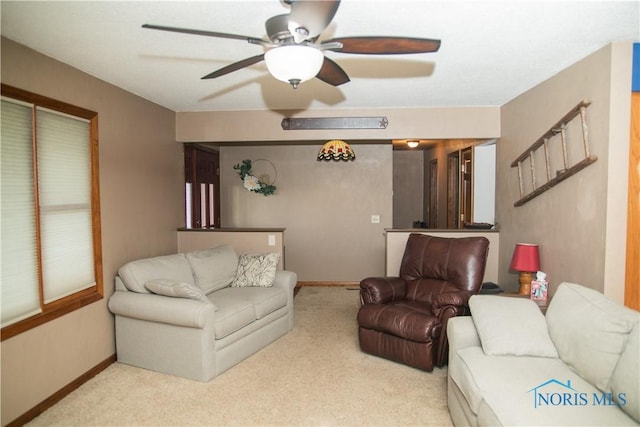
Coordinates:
77	300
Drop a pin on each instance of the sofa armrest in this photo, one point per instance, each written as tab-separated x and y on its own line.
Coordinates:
157	308
461	332
285	279
381	290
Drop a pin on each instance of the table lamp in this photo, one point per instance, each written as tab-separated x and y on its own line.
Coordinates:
526	260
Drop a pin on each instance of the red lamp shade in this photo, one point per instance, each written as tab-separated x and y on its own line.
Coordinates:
526	257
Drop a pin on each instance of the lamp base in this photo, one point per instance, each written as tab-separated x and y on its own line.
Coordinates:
525	283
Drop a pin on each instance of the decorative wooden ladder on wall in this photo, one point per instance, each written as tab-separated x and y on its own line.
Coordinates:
543	142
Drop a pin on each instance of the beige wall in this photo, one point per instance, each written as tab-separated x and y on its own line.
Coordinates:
326	207
427	123
408	187
580	224
618	170
243	242
140	199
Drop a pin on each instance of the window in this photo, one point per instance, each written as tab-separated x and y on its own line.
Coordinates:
50	213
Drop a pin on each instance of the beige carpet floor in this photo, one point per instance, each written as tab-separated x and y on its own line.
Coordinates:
314	376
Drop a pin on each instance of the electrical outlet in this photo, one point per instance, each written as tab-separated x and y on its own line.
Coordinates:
375	219
271	240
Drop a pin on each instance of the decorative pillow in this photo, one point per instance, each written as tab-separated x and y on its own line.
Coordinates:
135	274
256	270
589	330
509	326
213	268
626	376
171	288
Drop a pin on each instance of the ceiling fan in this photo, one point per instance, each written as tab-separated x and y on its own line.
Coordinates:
293	54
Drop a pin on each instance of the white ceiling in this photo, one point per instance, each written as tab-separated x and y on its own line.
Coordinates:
490	52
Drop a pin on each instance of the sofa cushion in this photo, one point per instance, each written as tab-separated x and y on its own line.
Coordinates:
232	314
171	288
256	270
507	390
510	326
174	267
263	300
477	374
213	268
589	331
626	376
238	307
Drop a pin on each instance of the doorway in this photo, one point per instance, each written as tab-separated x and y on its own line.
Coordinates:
459	188
453	189
433	193
202	187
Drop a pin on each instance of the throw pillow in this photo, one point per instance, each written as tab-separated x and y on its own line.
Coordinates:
135	274
589	330
626	376
213	268
511	326
256	270
171	288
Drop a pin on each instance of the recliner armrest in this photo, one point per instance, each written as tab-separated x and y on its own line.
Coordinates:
446	306
157	308
380	290
458	300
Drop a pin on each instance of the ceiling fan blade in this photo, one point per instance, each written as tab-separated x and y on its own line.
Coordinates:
235	66
252	40
308	19
332	73
384	45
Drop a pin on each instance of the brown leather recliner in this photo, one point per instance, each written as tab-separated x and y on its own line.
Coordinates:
405	318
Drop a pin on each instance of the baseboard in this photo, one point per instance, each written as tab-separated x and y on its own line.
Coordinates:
63	392
327	284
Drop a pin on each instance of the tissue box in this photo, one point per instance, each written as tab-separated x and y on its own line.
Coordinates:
539	290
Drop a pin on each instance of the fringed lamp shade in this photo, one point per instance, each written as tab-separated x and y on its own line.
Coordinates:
336	150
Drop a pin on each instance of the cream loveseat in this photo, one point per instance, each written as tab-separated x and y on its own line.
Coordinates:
197	314
510	365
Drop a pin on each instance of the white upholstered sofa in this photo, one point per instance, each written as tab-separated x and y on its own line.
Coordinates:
578	365
197	314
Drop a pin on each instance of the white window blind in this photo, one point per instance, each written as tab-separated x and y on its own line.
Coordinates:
19	288
64	189
64	246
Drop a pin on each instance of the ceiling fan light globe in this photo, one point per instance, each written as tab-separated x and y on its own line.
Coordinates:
294	63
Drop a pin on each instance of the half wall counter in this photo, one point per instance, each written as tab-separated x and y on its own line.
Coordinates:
396	240
243	240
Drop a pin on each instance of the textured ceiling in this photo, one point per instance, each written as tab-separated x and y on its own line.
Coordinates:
490	52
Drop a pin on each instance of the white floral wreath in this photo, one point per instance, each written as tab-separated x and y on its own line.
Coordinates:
250	182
